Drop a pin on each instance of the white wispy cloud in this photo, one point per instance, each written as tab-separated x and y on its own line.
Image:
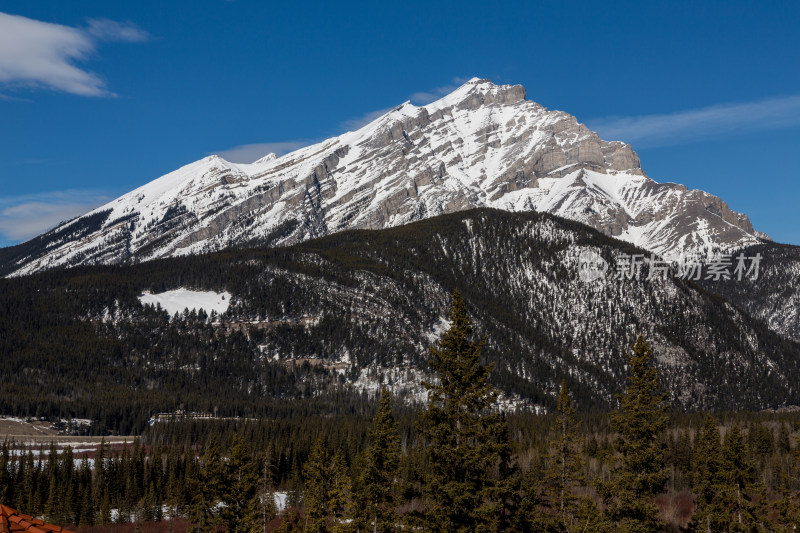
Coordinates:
24	217
418	98
355	123
426	97
111	30
703	123
46	55
10	98
248	153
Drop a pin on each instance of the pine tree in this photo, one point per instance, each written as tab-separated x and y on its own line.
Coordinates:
529	518
640	422
460	431
87	510
99	481
564	468
504	495
148	505
740	481
317	488
54	508
339	490
104	516
240	511
267	508
315	493
784	442
206	490
377	480
295	496
709	483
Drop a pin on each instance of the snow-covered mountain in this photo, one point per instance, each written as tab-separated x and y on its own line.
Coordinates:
483	145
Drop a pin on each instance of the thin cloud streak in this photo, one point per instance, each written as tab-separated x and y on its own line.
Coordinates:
111	30
249	153
356	123
418	98
44	55
704	123
24	217
426	97
13	98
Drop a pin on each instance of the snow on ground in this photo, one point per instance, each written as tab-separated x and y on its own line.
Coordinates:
280	500
177	300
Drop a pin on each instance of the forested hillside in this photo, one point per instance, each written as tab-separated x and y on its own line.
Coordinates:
774	296
456	464
328	320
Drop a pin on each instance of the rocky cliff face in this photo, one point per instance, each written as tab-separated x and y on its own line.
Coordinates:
483	145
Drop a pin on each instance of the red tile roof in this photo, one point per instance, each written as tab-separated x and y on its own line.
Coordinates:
13	520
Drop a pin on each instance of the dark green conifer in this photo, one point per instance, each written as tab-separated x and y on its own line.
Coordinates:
339	492
86	515
740	482
5	481
639	422
564	470
460	431
267	509
104	516
327	489
709	484
206	490
240	510
378	476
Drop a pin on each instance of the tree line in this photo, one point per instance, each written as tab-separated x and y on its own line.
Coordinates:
459	464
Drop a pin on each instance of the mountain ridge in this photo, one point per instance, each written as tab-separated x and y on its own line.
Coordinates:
483	145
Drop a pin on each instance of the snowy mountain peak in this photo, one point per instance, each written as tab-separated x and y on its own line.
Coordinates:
477	92
482	145
266	159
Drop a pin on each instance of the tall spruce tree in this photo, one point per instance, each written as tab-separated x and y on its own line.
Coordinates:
327	488
339	492
564	471
206	490
240	511
267	509
709	484
378	477
740	481
640	423
315	493
460	431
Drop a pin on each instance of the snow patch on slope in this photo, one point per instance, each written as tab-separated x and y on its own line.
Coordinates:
177	300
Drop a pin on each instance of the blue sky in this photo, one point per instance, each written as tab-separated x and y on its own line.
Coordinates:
97	98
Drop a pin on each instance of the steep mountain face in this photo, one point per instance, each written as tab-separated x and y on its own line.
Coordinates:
483	145
351	311
774	295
